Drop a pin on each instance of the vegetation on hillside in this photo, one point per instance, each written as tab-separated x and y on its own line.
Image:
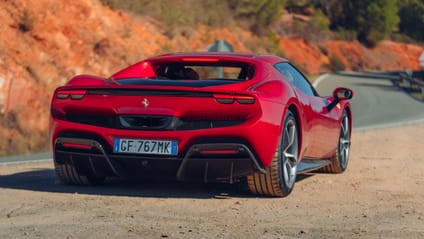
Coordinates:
411	13
372	21
260	14
369	21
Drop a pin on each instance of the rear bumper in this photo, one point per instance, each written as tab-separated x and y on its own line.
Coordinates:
221	162
260	131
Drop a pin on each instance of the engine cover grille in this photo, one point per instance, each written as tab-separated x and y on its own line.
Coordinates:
148	122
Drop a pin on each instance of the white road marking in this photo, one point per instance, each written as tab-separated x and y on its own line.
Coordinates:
388	125
27	162
319	79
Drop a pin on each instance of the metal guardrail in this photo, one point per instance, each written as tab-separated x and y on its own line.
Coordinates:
413	80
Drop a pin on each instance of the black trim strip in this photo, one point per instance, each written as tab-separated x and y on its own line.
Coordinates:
197	147
308	165
140	92
116	169
175	82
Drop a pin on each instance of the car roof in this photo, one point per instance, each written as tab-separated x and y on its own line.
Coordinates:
229	56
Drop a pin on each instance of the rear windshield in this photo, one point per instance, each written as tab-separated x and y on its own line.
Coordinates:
236	71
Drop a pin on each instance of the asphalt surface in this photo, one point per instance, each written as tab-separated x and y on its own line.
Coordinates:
377	103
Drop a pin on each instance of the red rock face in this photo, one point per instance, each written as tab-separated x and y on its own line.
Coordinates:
44	43
386	56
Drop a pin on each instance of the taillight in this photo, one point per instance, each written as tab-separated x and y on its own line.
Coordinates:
73	94
230	99
224	99
245	99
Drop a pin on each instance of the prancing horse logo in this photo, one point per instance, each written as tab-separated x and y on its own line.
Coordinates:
145	102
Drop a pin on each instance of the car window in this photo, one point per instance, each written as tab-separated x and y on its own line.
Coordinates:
222	70
294	75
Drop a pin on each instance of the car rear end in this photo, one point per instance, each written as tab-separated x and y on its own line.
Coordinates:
208	130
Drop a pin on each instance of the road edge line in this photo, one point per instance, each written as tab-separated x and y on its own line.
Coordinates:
319	79
26	162
389	125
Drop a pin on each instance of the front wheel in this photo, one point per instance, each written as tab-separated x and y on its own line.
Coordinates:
280	177
341	157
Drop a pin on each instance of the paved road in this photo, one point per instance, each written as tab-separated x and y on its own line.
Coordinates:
377	102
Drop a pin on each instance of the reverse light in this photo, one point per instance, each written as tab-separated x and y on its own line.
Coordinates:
73	94
224	99
230	99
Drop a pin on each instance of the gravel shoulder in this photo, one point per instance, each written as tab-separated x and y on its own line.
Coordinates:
381	195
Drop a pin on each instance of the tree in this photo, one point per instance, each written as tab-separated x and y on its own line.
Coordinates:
377	21
411	15
372	20
259	13
334	10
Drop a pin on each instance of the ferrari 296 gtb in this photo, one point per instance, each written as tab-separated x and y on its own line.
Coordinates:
222	117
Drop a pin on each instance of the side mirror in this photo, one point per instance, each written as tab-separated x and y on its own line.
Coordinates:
342	93
339	94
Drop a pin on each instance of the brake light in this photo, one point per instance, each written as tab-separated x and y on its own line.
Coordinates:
201	59
73	94
147	70
229	99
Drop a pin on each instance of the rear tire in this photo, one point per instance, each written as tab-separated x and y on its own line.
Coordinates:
341	157
67	174
280	177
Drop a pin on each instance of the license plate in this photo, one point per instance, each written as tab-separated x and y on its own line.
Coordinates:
146	146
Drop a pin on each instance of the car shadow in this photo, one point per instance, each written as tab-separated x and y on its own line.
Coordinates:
44	180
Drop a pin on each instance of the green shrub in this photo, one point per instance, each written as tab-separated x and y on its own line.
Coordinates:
259	14
336	64
373	21
177	14
320	21
411	15
26	23
404	38
272	45
346	35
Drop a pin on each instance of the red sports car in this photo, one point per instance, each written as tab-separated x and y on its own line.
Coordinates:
223	117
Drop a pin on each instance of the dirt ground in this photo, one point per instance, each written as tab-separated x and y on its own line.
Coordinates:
381	195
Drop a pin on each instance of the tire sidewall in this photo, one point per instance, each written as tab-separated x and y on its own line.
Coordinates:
342	166
286	189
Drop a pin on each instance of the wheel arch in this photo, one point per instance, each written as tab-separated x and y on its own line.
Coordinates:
293	108
349	114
